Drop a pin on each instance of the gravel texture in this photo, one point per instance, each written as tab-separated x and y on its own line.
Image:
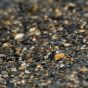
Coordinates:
43	43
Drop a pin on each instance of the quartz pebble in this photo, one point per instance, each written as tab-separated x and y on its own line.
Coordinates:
19	36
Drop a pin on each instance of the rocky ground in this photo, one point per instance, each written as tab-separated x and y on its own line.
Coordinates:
43	43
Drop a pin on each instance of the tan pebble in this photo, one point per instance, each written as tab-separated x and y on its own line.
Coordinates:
69	5
18	82
47	74
84	69
7	44
22	68
48	82
71	59
18	50
13	69
23	81
34	31
59	56
21	74
67	44
66	22
58	12
54	37
34	38
7	22
45	17
56	47
38	66
19	36
81	31
32	76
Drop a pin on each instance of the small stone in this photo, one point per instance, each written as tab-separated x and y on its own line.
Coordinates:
84	69
69	5
83	47
73	76
13	69
18	82
2	55
67	44
6	44
7	22
34	38
19	36
66	22
22	67
27	72
23	81
86	14
38	66
18	50
4	74
34	31
58	12
61	65
59	56
54	37
81	31
48	82
32	76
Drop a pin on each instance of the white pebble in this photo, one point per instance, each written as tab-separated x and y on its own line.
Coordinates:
19	36
34	31
67	44
13	69
27	72
62	65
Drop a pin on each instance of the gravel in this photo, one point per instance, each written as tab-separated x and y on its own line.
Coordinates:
44	44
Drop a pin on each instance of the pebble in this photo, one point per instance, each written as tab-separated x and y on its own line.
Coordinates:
58	12
73	76
81	31
54	37
5	74
19	36
61	65
67	44
38	66
23	81
83	47
34	31
22	67
69	5
84	69
13	69
59	56
6	44
27	72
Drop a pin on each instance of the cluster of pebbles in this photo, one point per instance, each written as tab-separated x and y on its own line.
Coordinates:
44	44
